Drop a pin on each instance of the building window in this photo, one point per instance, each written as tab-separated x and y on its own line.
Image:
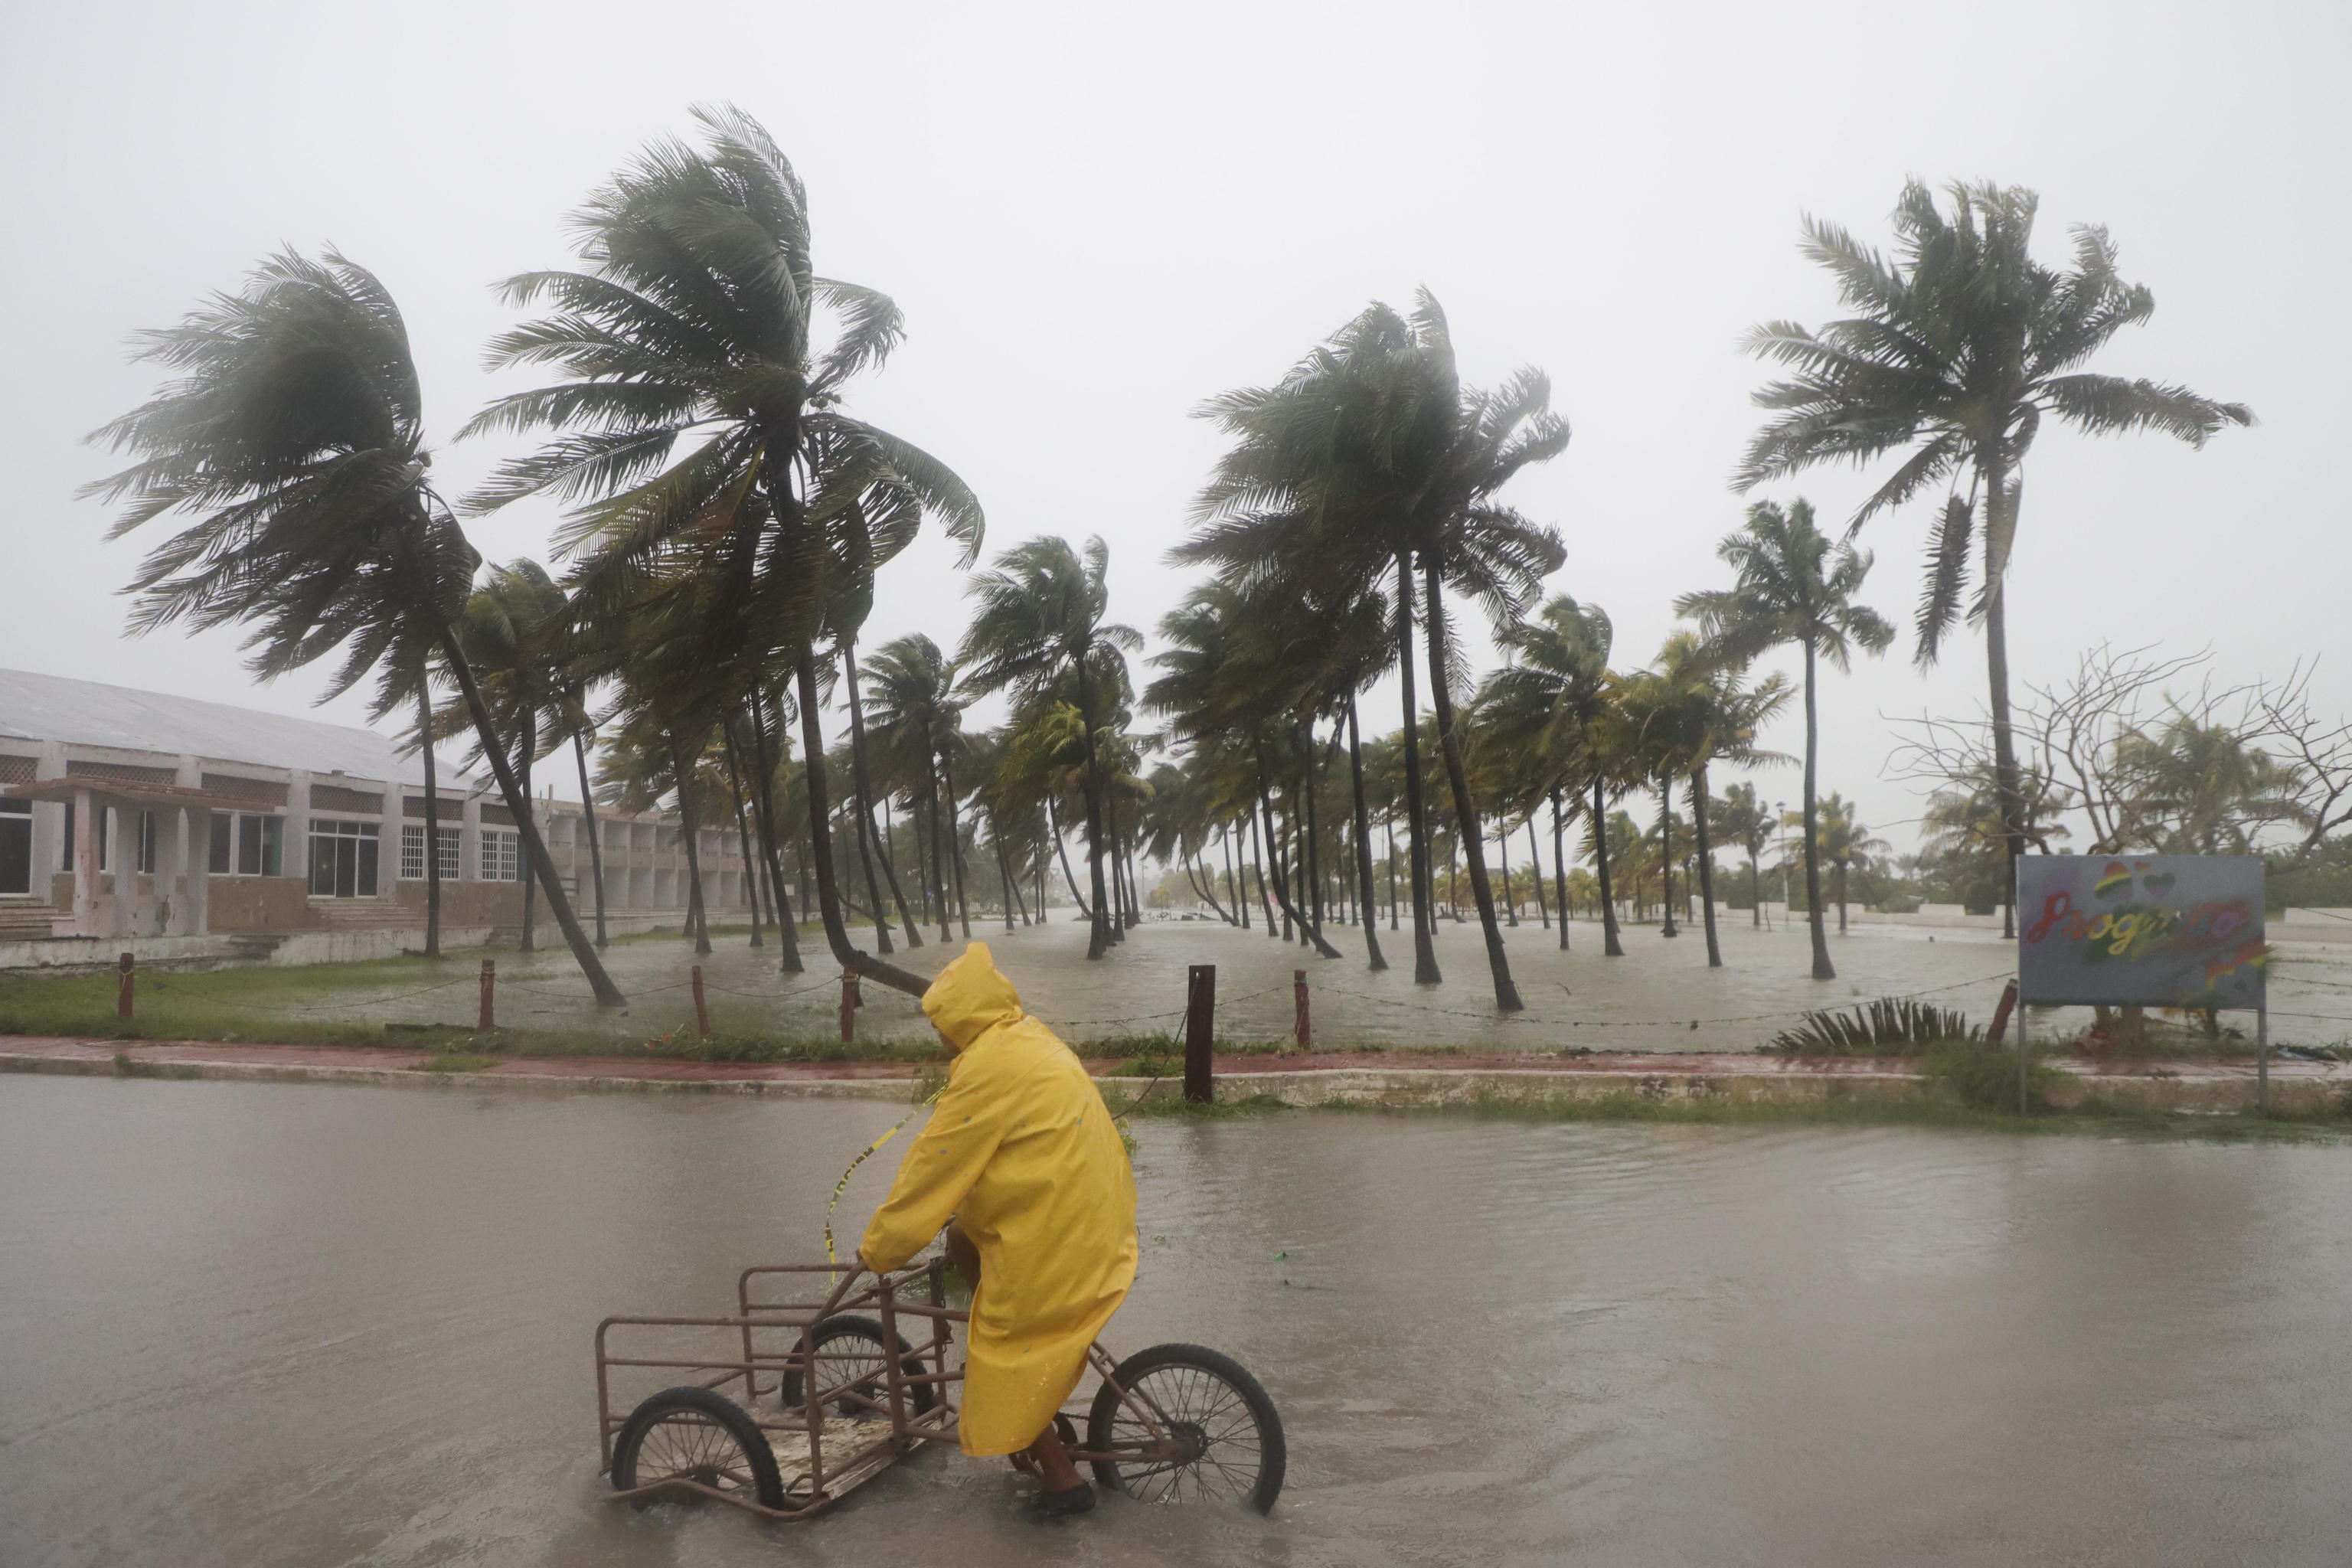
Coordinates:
15	847
246	844
412	852
146	856
342	859
502	854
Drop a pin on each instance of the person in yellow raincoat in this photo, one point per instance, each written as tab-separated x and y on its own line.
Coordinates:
1022	1153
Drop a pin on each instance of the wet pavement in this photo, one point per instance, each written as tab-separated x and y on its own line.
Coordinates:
257	1325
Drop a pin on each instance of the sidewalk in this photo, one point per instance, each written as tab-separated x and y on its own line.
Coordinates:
1300	1079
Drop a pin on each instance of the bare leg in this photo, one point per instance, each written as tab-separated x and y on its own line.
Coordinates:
1052	1459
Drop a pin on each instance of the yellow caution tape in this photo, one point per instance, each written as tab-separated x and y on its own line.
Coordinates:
841	1186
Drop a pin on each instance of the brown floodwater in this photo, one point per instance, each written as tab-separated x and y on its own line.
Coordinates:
263	1324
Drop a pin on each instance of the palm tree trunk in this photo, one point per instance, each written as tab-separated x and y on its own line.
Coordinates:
1503	856
1282	895
432	820
1823	968
955	847
690	822
2001	530
863	793
1392	897
1264	903
1755	892
543	864
763	809
1099	937
1007	884
1062	847
1240	899
1535	873
742	831
530	744
595	839
1364	897
1465	811
1841	886
1424	951
1560	868
938	853
1610	945
828	896
1705	866
1666	853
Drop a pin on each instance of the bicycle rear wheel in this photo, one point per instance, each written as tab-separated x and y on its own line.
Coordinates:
1228	1437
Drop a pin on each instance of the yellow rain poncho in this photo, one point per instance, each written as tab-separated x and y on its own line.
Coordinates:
1022	1152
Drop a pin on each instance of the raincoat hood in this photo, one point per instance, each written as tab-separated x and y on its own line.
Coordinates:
970	997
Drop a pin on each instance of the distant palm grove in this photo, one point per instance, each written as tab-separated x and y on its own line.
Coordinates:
730	524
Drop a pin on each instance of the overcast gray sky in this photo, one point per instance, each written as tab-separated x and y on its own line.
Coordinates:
1096	217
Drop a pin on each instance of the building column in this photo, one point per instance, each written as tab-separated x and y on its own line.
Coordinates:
199	893
297	827
469	840
122	861
387	840
85	887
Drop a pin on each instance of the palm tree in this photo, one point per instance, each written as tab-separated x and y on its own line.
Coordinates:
918	717
1845	843
1956	353
2199	788
1694	709
1547	705
1792	586
1372	455
694	324
1038	622
512	631
293	443
1746	822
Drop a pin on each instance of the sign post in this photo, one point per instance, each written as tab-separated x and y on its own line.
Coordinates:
2152	931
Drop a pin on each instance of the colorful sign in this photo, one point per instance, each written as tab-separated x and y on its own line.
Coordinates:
2159	931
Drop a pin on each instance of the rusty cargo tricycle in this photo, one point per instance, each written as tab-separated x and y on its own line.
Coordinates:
813	1386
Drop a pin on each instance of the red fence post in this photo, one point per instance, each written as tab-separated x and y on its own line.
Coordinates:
1298	995
849	1008
701	1008
122	986
2000	1028
1199	1032
490	1016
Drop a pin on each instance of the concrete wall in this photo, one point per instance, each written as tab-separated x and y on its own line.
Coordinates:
257	904
468	903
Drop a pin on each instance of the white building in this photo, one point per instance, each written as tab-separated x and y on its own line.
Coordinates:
249	830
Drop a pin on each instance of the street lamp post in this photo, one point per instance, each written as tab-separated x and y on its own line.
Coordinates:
1781	811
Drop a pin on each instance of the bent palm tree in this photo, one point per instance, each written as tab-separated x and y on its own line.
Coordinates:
694	325
1792	586
293	443
1039	621
1957	352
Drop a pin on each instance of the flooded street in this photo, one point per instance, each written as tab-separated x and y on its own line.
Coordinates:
1647	1000
248	1324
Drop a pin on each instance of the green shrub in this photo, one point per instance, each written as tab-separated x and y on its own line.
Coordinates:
1891	1025
1985	1076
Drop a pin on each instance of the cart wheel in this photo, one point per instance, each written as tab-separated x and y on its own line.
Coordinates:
695	1435
840	1339
1228	1434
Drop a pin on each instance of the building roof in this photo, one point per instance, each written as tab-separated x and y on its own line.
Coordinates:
91	713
